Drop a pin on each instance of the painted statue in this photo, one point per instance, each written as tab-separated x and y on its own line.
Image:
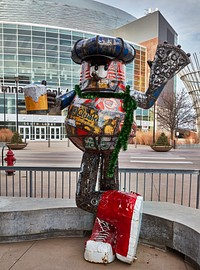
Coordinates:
99	122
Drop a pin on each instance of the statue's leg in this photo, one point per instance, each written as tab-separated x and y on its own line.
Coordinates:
86	196
123	211
117	224
100	248
106	182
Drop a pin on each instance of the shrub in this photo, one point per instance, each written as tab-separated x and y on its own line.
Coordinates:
143	138
162	140
146	137
5	135
16	138
192	139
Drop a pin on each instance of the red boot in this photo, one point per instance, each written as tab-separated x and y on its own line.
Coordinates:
124	212
101	245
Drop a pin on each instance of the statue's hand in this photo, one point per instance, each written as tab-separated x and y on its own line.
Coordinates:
58	103
168	61
51	99
53	103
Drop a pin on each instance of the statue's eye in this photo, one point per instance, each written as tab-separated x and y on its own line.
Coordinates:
96	67
106	67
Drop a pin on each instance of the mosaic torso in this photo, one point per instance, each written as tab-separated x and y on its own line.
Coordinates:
95	124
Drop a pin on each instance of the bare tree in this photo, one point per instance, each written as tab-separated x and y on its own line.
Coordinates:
175	111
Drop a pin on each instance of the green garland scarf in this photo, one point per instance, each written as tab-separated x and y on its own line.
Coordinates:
129	105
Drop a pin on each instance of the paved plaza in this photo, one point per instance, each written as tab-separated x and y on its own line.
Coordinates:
67	254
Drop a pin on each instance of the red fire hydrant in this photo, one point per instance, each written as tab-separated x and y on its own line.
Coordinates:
10	159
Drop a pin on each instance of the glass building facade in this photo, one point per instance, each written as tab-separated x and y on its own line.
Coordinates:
30	53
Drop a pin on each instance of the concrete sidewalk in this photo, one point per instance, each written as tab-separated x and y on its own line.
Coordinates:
67	254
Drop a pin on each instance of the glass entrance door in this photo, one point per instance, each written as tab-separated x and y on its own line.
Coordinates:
25	132
40	133
55	133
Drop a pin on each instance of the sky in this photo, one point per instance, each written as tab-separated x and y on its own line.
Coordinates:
182	15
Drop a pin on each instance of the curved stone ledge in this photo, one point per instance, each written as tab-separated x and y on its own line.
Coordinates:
30	219
164	225
173	226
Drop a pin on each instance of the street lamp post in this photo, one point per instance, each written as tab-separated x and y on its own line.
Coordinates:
17	120
4	108
4	104
154	124
48	131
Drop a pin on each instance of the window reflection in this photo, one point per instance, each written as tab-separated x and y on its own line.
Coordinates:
45	52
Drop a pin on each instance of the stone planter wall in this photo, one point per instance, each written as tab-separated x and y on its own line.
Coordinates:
16	146
160	148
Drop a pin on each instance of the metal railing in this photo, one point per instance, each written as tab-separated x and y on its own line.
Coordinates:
164	185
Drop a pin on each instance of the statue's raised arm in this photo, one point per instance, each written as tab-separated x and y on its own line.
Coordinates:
168	61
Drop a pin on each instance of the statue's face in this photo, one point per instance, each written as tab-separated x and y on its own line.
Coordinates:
102	75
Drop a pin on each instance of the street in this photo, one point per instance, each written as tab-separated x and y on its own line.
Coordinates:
63	153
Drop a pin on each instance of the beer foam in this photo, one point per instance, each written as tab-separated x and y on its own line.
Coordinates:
34	91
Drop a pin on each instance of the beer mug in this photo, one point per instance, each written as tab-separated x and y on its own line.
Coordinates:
36	99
